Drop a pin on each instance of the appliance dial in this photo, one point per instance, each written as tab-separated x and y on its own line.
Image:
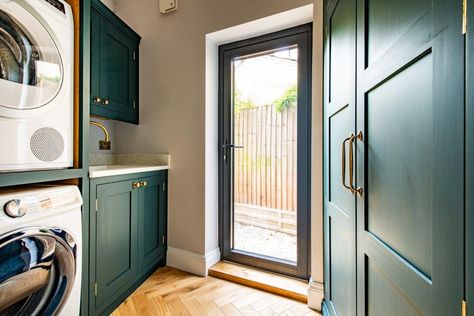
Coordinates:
14	209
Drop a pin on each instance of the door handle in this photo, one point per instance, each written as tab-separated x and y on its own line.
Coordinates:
233	146
344	162
353	139
227	147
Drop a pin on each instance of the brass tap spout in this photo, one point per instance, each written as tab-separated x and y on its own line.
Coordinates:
103	144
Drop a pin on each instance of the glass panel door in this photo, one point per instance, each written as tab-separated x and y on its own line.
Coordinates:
265	130
265	125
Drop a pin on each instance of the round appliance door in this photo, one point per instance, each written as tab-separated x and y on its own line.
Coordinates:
37	270
31	68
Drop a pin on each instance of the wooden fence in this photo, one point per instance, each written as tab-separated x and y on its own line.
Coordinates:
267	218
265	169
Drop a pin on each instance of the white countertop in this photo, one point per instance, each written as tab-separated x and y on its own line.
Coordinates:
116	170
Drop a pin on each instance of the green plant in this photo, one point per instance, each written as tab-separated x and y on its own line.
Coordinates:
242	104
288	100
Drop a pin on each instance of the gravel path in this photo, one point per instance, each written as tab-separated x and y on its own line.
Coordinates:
264	241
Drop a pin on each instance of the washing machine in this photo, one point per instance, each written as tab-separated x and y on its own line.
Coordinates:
36	85
40	251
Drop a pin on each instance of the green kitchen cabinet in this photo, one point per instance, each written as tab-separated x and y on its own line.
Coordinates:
128	235
114	66
394	210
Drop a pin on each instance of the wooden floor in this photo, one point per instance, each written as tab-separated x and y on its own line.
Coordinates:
172	292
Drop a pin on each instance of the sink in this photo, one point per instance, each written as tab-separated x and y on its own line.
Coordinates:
116	170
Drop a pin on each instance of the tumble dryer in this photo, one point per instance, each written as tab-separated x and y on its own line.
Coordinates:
36	84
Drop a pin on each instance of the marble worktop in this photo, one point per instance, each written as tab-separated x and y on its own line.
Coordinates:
106	165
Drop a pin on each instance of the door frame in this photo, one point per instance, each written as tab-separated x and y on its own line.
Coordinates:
302	36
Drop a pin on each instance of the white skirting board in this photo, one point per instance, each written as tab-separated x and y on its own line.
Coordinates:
315	294
192	262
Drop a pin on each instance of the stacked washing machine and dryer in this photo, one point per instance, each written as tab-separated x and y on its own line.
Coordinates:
40	227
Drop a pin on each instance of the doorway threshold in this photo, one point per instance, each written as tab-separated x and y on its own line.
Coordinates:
262	280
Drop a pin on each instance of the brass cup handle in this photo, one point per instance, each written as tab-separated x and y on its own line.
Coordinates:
97	99
143	183
136	185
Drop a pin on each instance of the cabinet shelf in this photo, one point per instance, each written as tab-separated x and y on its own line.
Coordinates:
30	177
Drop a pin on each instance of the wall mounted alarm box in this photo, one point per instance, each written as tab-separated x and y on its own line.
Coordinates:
168	5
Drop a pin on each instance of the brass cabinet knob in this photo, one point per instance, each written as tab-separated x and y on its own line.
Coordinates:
136	185
143	183
97	99
105	102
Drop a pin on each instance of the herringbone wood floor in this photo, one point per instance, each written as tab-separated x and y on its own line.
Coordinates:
172	292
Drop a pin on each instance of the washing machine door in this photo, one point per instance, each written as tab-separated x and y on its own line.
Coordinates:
31	67
37	270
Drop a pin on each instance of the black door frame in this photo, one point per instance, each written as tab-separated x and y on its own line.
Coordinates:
301	36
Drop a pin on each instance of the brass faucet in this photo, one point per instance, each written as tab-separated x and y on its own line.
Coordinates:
103	144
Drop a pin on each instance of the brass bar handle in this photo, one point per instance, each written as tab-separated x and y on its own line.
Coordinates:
344	161
351	163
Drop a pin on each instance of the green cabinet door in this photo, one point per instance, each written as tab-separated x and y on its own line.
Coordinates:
152	221
470	162
410	163
114	66
340	203
95	61
116	242
118	73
